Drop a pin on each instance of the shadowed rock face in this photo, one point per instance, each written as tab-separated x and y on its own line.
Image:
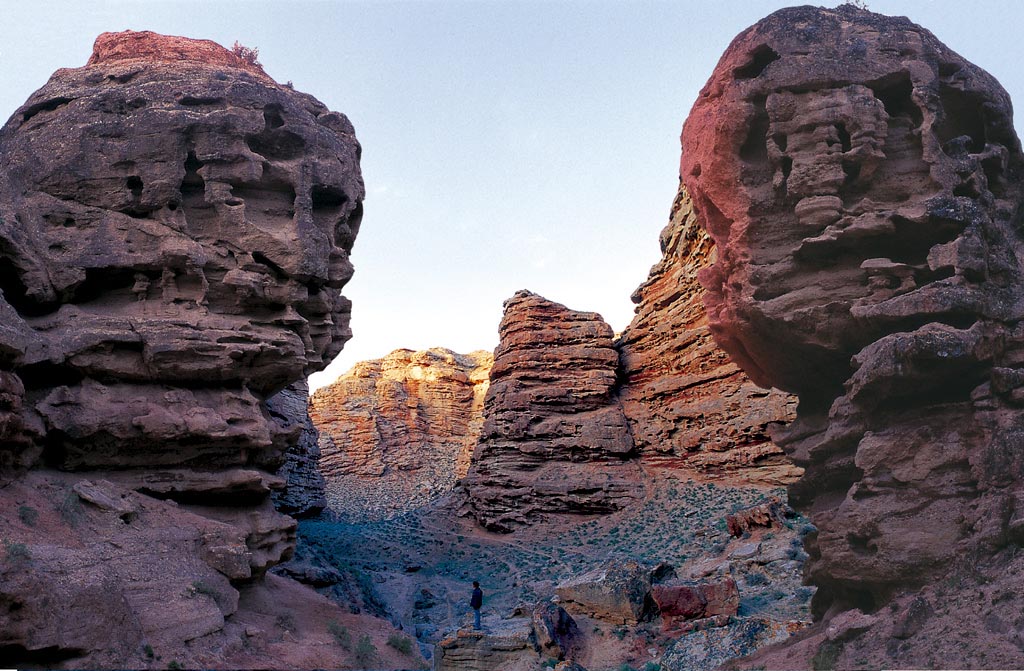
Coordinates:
174	235
554	438
174	232
862	185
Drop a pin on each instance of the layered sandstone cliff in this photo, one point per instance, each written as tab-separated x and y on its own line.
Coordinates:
554	439
862	184
399	431
174	232
688	405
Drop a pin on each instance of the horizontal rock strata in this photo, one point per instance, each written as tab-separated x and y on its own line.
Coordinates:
399	431
554	438
689	406
174	232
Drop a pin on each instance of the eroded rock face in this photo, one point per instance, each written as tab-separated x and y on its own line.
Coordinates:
302	493
862	184
174	233
554	438
399	431
687	403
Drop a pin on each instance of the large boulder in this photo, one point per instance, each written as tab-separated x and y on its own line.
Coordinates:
862	185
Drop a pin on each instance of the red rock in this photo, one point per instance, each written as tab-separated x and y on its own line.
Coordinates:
771	513
149	47
174	234
404	425
554	440
862	185
681	602
689	406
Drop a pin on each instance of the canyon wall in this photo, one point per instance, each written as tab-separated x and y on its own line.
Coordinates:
554	439
862	184
399	431
689	406
175	230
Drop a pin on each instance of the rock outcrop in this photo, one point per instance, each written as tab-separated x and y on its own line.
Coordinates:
688	405
554	439
862	184
303	491
174	232
399	431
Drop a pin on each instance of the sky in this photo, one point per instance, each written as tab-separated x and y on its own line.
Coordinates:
506	145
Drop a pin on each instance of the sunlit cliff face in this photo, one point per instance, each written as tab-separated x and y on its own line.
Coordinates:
856	178
862	184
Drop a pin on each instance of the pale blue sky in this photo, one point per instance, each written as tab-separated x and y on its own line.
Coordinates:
506	145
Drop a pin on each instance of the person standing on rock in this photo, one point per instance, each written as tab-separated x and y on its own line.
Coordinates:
475	602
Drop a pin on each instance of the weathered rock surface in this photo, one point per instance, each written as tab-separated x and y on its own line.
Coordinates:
862	184
303	491
554	439
680	602
687	403
619	592
174	233
399	431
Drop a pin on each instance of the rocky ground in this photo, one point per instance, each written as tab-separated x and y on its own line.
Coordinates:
416	569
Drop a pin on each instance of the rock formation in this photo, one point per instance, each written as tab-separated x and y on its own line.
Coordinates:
862	184
688	405
174	231
399	431
303	491
554	438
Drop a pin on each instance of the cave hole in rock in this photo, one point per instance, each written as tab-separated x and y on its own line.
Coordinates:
896	95
18	656
199	101
16	292
844	136
276	270
760	58
193	185
48	375
134	184
45	106
272	116
754	149
962	114
103	283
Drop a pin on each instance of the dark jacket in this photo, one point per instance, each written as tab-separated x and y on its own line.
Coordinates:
478	598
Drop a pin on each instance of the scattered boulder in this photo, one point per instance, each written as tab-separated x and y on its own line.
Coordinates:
680	602
618	593
555	632
771	513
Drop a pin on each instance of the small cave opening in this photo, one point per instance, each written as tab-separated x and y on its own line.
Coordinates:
755	146
19	656
193	183
896	95
272	116
262	259
45	106
844	137
962	115
760	58
199	101
327	197
100	282
134	184
47	375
